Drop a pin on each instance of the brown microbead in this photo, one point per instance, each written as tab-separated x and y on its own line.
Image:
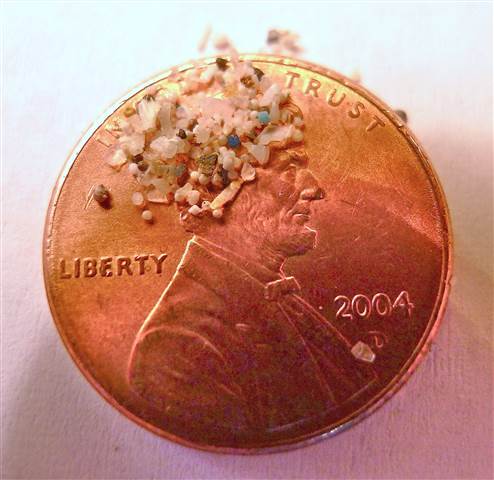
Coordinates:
402	114
247	81
259	73
273	36
129	111
101	194
222	63
142	166
137	158
148	97
181	134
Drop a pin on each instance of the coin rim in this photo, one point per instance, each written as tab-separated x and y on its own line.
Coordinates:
435	319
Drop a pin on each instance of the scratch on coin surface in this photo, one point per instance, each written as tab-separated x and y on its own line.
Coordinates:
89	197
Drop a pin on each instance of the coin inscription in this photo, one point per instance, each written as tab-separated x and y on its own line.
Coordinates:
362	306
334	98
110	266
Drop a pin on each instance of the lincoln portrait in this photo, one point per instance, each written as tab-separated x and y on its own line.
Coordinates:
231	343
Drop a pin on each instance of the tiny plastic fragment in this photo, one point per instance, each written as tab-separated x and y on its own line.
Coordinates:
147	109
259	152
157	196
362	351
117	159
248	172
207	163
137	199
227	195
274	133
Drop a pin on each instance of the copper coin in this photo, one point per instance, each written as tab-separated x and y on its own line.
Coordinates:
298	316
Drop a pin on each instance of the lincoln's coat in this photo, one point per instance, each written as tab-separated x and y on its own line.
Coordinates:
225	346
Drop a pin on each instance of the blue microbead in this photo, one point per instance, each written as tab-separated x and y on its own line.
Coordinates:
233	141
263	117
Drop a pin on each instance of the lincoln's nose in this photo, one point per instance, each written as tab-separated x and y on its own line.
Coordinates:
312	190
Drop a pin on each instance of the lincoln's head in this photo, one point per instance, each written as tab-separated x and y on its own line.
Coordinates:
268	218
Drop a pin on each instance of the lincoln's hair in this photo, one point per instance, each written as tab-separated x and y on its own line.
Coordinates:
245	204
245	201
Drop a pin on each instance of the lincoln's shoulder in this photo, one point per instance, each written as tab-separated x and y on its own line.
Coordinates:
183	298
205	285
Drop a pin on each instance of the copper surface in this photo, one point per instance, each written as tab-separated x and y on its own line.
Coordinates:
239	337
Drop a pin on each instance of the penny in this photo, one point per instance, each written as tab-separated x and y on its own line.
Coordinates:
293	313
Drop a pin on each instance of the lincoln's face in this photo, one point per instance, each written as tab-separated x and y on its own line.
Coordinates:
280	203
270	214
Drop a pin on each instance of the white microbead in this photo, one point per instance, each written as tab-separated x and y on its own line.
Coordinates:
133	168
218	213
254	104
228	162
253	114
217	180
205	205
298	122
237	162
194	176
222	140
204	179
193	197
137	199
147	215
195	210
298	135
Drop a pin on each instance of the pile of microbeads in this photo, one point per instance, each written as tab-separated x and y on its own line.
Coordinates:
198	147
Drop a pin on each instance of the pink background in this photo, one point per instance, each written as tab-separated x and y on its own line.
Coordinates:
63	64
